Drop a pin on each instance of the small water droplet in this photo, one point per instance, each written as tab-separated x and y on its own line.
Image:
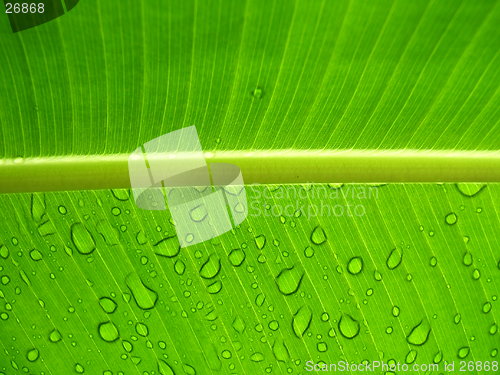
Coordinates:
32	355
142	329
451	218
257	93
467	259
301	321
355	265
318	236
36	255
463	352
395	258
55	336
419	334
260	241
280	350
348	326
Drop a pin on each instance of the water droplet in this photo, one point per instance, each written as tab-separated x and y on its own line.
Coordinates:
301	321
322	347
348	326
493	329
236	257
257	357
355	265
377	275
468	259
395	311
433	262
438	357
470	190
4	252
108	331
211	267
318	236
142	329
289	280
36	255
257	93
82	239
260	241
121	194
188	369
32	355
215	287
411	356
116	211
107	304
198	213
179	267
463	352
419	334
280	351
395	258
168	247
486	307
476	274
79	368
5	279
62	210
451	218
55	336
239	324
144	297
37	207
164	368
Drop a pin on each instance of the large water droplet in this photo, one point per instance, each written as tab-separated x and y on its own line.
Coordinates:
211	267
108	331
236	257
32	355
215	287
318	236
82	239
355	265
107	304
289	280
121	194
348	326
470	190
419	334
198	213
144	297
36	255
395	258
239	324
108	232
168	247
164	368
301	321
142	329
280	351
463	352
